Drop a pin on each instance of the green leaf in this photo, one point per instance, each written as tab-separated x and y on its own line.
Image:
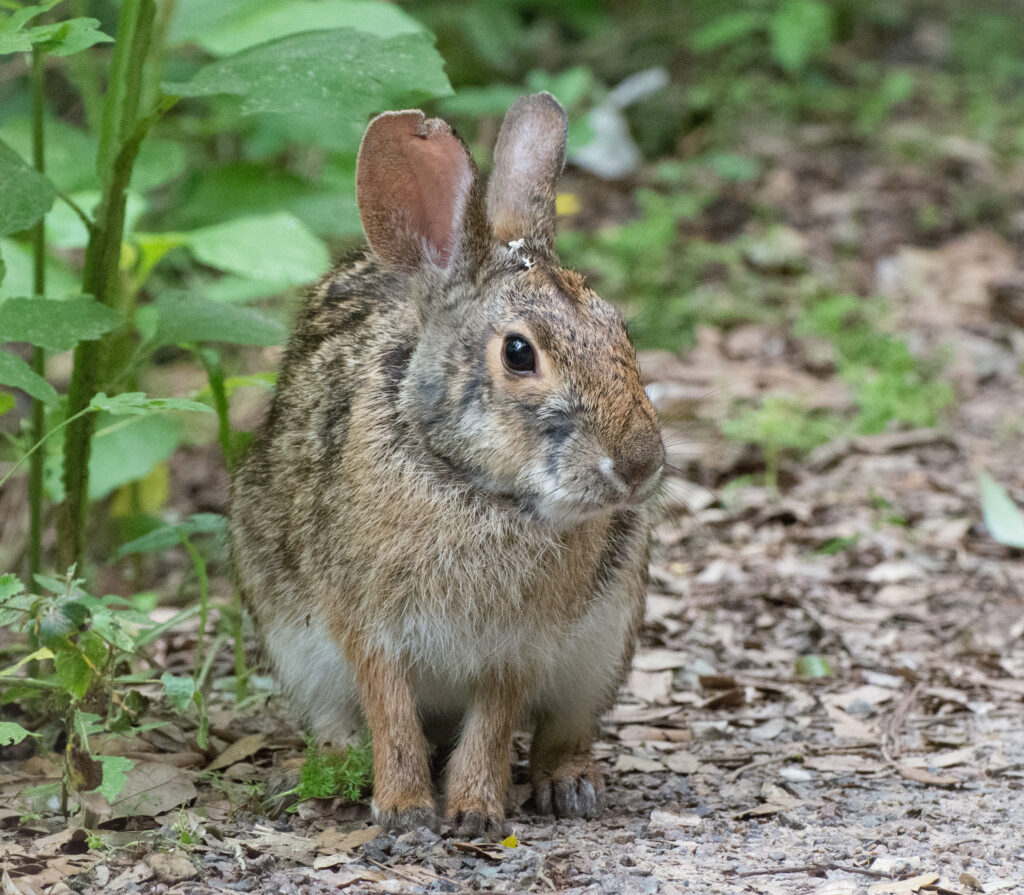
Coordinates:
11	733
241	25
137	404
724	30
73	671
13	38
126	448
15	372
66	230
59	38
7	402
56	325
38	656
10	586
19	280
813	666
115	775
187	318
1003	518
25	194
168	536
275	247
178	690
68	37
329	81
800	29
69	151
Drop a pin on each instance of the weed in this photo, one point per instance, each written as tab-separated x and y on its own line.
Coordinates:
326	774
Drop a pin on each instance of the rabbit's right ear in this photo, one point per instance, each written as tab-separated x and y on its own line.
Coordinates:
414	181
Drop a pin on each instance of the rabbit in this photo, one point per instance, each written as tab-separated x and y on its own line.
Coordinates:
443	523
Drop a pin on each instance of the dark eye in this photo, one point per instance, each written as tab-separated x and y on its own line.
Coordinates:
518	355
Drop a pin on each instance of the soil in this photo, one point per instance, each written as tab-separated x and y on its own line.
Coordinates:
829	693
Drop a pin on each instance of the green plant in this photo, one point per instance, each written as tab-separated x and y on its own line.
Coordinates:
781	422
84	675
328	773
889	384
128	302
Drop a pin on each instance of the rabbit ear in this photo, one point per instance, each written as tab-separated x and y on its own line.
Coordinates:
528	159
414	179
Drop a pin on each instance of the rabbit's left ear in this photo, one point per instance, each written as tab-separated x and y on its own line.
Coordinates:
528	160
414	182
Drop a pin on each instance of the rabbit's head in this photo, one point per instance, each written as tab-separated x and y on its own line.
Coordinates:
520	379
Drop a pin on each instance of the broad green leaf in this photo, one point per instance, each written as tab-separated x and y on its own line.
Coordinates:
179	690
328	80
59	278
188	318
69	151
73	670
10	586
126	448
800	29
11	733
1003	519
159	161
327	206
59	38
25	194
68	37
13	38
15	372
115	775
65	229
168	536
275	247
56	325
138	404
245	24
726	29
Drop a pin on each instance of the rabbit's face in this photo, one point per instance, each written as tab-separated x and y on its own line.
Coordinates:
536	396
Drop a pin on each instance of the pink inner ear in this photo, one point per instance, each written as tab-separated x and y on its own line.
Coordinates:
413	179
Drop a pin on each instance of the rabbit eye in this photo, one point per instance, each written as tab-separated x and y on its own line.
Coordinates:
518	355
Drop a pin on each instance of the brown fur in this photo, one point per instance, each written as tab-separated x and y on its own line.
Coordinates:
427	538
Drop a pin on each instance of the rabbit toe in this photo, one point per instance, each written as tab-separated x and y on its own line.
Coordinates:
477	824
405	819
573	792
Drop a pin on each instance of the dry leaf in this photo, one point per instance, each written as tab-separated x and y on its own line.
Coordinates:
896	887
330	841
682	762
651	686
171	867
627	763
238	750
152	788
920	775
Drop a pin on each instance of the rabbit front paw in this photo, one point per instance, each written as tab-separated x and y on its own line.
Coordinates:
406	817
475	823
574	788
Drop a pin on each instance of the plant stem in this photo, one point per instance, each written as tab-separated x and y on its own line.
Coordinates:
35	474
215	375
199	564
122	133
238	632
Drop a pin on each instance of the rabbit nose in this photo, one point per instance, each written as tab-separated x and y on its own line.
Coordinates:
639	457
